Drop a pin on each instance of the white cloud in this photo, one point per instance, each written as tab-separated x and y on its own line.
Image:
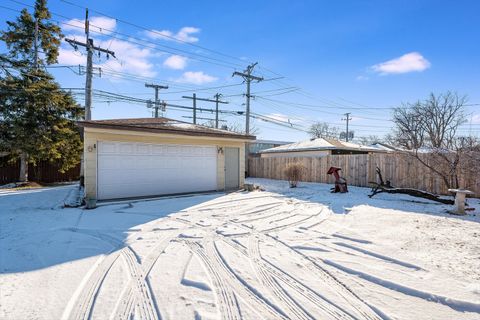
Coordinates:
102	25
175	62
284	118
197	77
409	62
71	57
184	34
361	78
476	118
131	57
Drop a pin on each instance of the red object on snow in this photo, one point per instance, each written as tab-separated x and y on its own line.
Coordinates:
340	183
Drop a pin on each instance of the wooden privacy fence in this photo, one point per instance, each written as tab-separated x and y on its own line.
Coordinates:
44	171
402	170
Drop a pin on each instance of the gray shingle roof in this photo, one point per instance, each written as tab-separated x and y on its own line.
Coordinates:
162	125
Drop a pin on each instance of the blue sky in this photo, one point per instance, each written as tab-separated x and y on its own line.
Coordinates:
362	57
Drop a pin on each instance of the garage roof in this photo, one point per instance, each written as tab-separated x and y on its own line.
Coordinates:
162	125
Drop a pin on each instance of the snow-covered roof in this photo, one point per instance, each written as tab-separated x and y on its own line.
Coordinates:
164	125
271	142
384	147
320	144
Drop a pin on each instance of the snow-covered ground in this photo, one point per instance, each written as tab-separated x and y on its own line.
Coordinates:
282	253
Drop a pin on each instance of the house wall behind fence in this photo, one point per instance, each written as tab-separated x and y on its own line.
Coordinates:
402	170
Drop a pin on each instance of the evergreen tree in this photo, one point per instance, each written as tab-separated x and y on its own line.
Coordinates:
36	116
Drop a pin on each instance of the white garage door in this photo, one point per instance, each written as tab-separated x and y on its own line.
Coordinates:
140	169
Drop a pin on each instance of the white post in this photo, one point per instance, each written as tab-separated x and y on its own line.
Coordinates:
460	200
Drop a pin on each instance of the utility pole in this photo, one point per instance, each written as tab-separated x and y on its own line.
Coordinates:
217	101
347	118
194	108
90	47
248	77
157	102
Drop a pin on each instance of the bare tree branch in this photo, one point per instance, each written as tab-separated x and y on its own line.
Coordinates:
429	130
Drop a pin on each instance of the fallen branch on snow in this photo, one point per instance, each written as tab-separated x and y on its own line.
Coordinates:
388	188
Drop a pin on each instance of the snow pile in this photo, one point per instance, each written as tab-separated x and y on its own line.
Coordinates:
8	185
74	198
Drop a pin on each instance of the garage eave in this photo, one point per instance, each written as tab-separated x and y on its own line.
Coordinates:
166	130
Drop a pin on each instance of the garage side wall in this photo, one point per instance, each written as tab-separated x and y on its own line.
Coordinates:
93	136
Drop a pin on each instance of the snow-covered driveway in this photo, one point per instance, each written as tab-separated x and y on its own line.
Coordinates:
280	254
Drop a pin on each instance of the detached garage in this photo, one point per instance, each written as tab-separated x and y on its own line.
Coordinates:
127	158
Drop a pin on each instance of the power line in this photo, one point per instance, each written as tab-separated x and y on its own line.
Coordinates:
128	38
156	32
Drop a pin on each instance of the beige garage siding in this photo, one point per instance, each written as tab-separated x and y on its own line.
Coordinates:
93	135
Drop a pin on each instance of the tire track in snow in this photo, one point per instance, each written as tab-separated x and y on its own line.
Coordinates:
244	289
264	216
211	204
80	305
293	309
289	225
138	292
328	307
212	258
348	295
455	304
226	299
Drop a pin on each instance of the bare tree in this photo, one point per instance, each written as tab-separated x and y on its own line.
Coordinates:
238	128
367	140
323	130
429	130
409	132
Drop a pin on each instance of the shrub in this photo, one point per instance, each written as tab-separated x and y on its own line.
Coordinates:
294	173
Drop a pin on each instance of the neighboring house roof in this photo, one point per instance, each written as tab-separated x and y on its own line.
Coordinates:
384	146
271	142
162	125
319	144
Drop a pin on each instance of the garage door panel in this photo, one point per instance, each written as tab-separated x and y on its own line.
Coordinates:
143	149
126	148
158	149
108	162
139	169
107	147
